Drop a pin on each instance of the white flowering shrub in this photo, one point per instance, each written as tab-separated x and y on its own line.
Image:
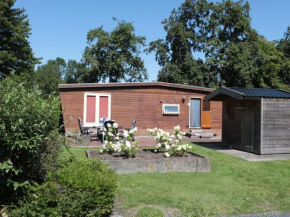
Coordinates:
178	150
170	144
129	135
127	146
161	138
110	134
129	149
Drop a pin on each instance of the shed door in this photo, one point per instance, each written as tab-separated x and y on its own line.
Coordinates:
247	128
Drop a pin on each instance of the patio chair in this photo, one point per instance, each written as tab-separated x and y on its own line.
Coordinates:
108	122
84	130
132	127
106	126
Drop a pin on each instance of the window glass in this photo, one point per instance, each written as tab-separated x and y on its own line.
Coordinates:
170	109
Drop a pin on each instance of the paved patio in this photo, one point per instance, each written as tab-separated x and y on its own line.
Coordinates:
244	155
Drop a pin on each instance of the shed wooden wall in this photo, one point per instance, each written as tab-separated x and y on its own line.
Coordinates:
276	126
140	103
232	120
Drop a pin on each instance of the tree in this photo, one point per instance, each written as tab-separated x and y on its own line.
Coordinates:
15	52
234	53
114	55
185	36
49	75
283	46
75	72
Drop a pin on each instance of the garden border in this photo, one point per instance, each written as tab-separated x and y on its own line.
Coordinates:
165	165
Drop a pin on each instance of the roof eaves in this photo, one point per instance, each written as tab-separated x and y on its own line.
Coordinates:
130	84
285	91
227	91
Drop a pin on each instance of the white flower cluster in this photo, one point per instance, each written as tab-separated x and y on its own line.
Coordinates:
111	147
161	138
126	146
130	134
164	141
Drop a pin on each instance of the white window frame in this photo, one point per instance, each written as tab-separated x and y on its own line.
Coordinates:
97	118
170	113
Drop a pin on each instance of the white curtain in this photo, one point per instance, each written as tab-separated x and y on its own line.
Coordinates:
194	112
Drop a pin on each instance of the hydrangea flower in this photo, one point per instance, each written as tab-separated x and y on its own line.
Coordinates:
169	143
125	133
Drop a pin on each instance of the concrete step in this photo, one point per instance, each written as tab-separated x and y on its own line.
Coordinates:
200	135
207	135
196	131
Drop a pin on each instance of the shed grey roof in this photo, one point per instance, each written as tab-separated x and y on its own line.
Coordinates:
246	93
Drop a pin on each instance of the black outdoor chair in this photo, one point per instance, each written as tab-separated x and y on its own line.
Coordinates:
84	130
106	126
108	122
132	127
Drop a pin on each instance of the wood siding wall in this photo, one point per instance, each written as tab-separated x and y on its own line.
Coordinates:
276	126
140	103
233	113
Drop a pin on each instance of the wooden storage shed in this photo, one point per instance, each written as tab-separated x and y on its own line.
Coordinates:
151	104
255	120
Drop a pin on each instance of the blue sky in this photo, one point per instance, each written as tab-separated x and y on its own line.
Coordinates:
59	27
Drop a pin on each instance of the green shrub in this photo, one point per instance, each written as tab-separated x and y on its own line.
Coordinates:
29	139
78	188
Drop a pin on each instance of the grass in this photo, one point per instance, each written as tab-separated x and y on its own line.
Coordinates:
234	186
78	152
149	212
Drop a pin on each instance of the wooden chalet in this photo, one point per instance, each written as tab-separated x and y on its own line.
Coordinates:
151	104
254	119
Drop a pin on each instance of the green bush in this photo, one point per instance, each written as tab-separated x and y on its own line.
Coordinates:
78	188
29	138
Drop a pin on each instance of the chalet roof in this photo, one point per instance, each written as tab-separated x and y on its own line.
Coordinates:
133	84
246	93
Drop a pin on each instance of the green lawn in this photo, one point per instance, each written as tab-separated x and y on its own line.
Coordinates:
234	186
76	151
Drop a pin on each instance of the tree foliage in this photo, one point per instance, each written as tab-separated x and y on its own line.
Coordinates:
49	75
283	46
185	36
114	55
75	72
234	53
58	71
15	52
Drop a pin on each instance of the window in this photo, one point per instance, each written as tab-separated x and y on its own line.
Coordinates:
96	106
170	109
206	105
